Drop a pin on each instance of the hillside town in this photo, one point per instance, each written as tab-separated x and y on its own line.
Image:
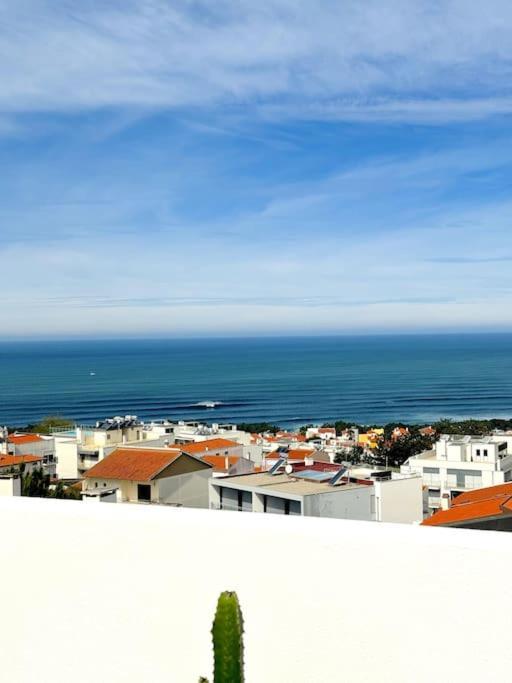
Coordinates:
343	472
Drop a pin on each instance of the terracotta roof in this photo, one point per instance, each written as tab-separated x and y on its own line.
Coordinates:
208	445
133	464
24	438
218	462
483	494
493	501
291	454
427	431
10	460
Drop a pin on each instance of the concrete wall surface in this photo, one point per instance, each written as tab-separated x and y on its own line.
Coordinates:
124	593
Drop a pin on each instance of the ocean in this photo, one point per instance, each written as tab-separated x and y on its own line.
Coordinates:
287	381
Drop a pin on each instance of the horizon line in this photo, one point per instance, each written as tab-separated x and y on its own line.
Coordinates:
265	336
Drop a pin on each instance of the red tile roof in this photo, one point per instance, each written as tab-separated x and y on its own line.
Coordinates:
24	438
133	464
291	454
218	462
10	460
483	494
204	446
493	501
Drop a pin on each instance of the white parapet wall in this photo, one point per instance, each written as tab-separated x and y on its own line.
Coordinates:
124	593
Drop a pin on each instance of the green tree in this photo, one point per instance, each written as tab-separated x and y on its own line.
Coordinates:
258	427
396	453
354	456
47	424
34	484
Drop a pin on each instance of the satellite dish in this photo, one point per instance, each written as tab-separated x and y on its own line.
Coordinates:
288	469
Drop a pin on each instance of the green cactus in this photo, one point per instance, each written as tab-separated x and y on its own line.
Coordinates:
228	648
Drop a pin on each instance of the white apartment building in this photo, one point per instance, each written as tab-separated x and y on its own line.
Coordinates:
80	448
461	463
318	490
182	432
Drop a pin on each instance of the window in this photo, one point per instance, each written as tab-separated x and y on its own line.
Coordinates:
286	507
485	452
144	492
240	501
478	452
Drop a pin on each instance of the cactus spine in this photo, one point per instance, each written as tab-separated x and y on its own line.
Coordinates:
227	633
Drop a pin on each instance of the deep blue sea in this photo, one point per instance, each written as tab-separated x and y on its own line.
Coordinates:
288	381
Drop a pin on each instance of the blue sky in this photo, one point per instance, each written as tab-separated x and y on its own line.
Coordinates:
189	167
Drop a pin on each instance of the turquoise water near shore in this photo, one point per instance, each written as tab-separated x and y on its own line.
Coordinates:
288	381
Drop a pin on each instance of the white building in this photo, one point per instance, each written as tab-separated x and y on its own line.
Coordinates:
318	490
82	447
10	484
33	444
461	463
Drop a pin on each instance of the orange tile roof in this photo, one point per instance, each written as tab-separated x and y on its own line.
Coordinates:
208	445
291	454
24	438
133	464
218	462
483	494
493	501
10	460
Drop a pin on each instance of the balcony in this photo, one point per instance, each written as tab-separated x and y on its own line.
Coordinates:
151	575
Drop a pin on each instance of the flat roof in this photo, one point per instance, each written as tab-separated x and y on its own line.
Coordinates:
282	483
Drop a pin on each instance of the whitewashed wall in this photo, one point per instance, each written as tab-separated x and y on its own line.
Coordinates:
127	593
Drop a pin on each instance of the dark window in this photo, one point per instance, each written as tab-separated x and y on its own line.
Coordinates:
264	503
286	507
240	501
144	492
485	453
478	451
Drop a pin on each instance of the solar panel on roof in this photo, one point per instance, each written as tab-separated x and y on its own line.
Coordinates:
338	476
277	465
313	474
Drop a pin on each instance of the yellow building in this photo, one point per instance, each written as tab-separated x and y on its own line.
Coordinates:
371	438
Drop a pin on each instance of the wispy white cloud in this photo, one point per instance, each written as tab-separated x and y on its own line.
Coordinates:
394	60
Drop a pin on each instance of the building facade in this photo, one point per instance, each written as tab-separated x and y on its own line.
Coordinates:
461	463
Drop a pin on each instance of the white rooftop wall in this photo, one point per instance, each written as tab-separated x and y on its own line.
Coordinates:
127	593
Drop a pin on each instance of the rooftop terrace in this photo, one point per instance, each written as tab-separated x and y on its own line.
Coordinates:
126	593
